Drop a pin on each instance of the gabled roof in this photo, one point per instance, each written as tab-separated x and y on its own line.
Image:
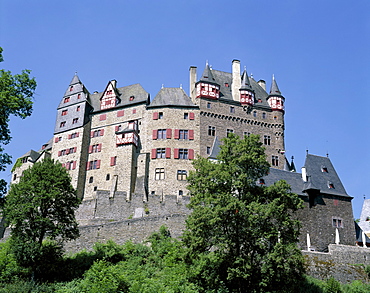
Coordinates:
172	97
293	179
216	147
134	90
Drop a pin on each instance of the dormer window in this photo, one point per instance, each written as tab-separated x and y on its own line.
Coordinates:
324	169
71	88
132	98
262	181
330	185
79	96
226	84
66	100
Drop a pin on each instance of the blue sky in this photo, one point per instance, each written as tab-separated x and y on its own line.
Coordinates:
317	50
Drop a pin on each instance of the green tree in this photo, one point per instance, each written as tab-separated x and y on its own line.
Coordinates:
16	93
241	234
41	206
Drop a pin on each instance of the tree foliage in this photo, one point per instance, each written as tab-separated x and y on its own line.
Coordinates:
241	234
16	93
41	206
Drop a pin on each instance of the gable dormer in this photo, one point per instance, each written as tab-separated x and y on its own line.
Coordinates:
110	97
207	87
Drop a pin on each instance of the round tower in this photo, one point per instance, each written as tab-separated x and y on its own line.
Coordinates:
275	99
246	91
206	87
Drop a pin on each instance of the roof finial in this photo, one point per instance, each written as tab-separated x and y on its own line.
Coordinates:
76	72
273	76
251	75
364	196
292	158
180	85
162	85
307	151
245	68
327	154
206	62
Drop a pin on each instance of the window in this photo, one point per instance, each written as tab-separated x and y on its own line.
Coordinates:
211	130
266	140
254	113
103	117
107	177
133	111
228	131
183	153
72	150
331	185
246	133
95	148
324	169
71	88
208	150
62	124
66	100
70	165
93	165
79	96
78	109
182	174
226	84
73	135
208	105
14	176
24	160
262	181
159	174
95	188
75	120
337	222
263	115
186	115
120	113
64	112
113	161
232	109
91	179
181	193
275	117
161	153
97	133
160	115
183	134
132	98
161	134
275	161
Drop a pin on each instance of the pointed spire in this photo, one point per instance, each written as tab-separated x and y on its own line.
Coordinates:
274	88
246	85
75	79
207	74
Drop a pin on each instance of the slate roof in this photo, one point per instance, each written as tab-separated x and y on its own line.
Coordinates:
216	147
33	155
245	85
274	88
136	90
172	97
47	145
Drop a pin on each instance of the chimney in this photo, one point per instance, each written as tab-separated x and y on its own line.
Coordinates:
262	84
193	79
236	80
304	174
114	82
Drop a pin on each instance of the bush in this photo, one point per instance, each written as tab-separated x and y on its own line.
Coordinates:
332	286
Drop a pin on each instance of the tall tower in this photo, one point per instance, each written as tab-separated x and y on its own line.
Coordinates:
71	132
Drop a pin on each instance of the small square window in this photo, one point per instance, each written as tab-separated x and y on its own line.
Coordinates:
228	131
66	100
132	98
75	120
160	115
263	115
208	105
232	109
186	115
78	109
62	124
159	174
262	181
208	150
330	185
226	84
64	112
324	169
182	174
254	113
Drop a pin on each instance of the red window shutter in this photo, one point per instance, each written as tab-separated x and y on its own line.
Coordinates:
74	165
101	132
191	115
68	165
117	128
92	134
69	136
155	134
154	153
88	166
191	134
191	154
133	111
177	135
56	139
176	153
169	133
168	153
120	113
155	116
59	153
99	147
98	164
75	150
112	161
103	117
67	151
90	149
63	165
77	134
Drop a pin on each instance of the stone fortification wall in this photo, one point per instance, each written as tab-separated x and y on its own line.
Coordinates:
344	263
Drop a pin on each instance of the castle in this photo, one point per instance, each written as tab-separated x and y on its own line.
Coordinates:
129	156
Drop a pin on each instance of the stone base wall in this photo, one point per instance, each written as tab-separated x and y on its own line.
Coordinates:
344	263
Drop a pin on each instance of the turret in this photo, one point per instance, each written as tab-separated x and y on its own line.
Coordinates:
110	97
275	99
246	91
207	87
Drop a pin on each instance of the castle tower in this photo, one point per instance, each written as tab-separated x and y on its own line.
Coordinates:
246	91
71	132
207	87
275	99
